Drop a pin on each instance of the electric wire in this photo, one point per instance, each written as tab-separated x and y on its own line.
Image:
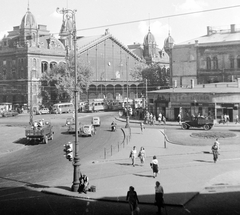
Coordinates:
160	17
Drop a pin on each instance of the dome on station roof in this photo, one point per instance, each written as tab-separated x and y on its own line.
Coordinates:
168	43
149	39
28	21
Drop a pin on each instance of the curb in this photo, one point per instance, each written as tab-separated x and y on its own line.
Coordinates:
110	200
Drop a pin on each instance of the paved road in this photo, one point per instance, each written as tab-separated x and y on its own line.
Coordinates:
193	184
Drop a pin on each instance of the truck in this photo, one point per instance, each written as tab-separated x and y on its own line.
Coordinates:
40	132
198	122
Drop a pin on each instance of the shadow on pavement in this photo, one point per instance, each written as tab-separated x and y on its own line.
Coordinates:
207	152
22	141
204	161
126	164
235	130
141	175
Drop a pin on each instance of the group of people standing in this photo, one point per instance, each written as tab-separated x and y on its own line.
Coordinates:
151	119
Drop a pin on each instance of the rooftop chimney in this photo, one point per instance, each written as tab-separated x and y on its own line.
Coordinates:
192	83
209	30
196	42
175	83
232	28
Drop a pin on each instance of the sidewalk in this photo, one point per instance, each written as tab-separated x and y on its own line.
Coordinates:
185	171
178	172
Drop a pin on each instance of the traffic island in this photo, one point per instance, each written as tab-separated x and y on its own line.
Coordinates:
213	135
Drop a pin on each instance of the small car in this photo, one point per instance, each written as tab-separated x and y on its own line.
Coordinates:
43	111
9	113
87	130
96	121
70	123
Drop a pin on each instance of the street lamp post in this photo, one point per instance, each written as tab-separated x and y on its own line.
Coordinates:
70	14
127	114
31	100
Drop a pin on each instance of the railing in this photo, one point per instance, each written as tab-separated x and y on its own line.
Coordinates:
108	152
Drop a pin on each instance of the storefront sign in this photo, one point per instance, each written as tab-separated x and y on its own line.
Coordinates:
191	97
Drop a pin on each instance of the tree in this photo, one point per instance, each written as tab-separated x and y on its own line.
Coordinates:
58	84
156	75
136	73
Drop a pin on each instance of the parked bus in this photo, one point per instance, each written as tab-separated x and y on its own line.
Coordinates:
63	108
5	107
96	105
138	103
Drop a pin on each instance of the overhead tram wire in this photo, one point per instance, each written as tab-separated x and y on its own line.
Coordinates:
160	17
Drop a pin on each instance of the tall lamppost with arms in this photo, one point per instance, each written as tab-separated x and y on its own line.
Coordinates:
70	15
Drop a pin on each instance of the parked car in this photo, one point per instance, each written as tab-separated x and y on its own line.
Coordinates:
43	111
87	130
96	121
9	113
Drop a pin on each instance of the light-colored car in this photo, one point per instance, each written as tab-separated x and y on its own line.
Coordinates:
9	113
87	130
96	121
43	111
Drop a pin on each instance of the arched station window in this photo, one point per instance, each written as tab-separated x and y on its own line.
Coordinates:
215	63
208	63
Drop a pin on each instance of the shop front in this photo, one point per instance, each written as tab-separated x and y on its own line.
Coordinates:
213	101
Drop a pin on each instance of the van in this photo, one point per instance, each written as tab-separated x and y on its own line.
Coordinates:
96	121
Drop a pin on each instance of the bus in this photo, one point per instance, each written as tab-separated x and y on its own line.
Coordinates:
5	107
96	105
63	108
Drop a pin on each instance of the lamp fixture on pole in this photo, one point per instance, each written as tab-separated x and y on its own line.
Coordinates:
70	15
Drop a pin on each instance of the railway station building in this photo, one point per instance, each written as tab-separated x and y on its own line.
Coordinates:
29	50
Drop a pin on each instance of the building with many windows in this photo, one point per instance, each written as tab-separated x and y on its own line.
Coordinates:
30	49
25	53
212	58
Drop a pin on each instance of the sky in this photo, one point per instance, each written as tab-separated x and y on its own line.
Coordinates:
94	16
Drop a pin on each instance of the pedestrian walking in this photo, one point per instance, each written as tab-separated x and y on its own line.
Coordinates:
133	201
154	166
133	155
215	152
179	119
237	119
154	120
142	127
164	119
142	155
159	199
159	118
218	143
